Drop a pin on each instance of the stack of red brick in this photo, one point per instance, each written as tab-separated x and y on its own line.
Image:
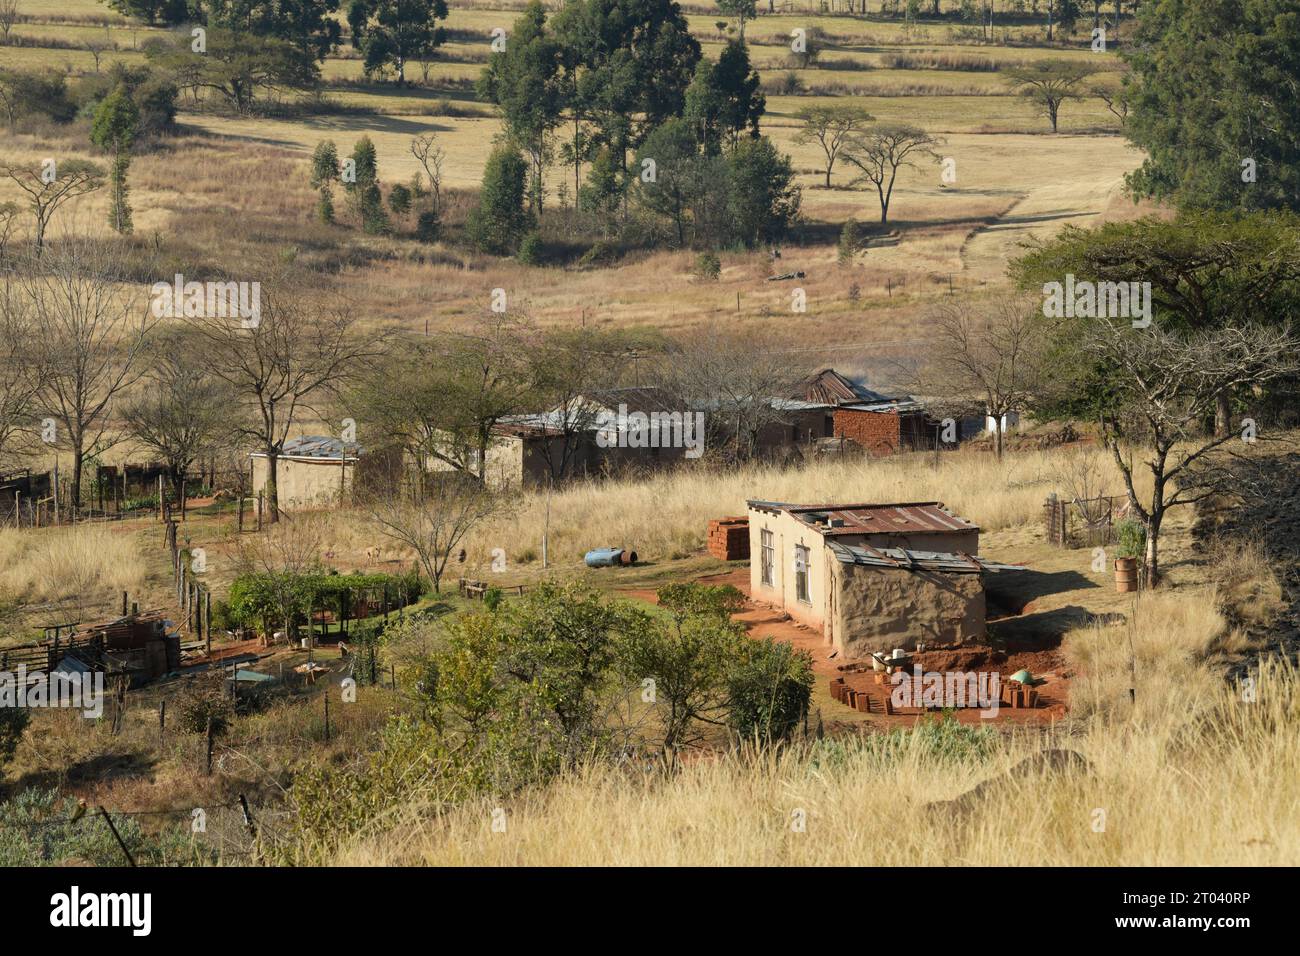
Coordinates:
728	538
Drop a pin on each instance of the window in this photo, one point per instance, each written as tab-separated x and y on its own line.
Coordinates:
801	574
766	556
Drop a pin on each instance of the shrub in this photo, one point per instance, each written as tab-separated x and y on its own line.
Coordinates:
530	250
850	240
399	199
500	220
199	705
708	266
13	721
428	226
768	691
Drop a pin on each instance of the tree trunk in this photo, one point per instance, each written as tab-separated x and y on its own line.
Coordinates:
997	436
1222	414
78	462
272	484
1151	566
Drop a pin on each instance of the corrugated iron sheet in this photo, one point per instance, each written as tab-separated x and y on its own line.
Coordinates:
913	517
916	560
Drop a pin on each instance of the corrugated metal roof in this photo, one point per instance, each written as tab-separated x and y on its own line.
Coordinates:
911	560
913	517
317	446
829	387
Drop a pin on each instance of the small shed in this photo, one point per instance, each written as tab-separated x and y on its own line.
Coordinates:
314	471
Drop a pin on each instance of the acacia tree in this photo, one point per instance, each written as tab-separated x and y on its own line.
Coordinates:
881	153
296	354
831	128
49	187
92	339
1048	84
1206	270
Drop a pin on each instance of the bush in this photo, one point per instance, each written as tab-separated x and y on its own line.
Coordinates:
708	266
850	240
530	250
768	691
428	226
13	721
199	705
399	199
500	221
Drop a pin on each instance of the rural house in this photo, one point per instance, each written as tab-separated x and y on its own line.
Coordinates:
880	424
870	577
315	471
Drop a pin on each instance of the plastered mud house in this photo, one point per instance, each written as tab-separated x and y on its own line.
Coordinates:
870	577
316	471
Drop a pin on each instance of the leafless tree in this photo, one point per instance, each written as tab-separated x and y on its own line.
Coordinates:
986	356
20	376
8	17
49	187
879	154
1164	387
298	353
8	218
98	46
740	379
430	156
181	409
92	332
434	526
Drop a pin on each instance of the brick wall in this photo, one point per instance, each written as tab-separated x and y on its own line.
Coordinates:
877	432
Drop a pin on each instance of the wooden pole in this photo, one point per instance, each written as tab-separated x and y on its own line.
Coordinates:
117	836
162	721
209	770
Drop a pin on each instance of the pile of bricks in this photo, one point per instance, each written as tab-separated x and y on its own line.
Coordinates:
859	700
728	538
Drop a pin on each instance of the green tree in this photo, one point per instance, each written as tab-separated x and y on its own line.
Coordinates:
1049	84
391	33
324	173
629	63
113	131
880	154
166	13
500	220
525	82
831	127
725	98
236	66
360	177
310	25
674	152
762	197
1213	101
742	10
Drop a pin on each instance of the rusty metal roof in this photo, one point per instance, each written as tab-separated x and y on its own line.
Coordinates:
912	517
829	387
317	446
910	560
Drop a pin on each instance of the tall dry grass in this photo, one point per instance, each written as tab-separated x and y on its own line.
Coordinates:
1193	774
73	568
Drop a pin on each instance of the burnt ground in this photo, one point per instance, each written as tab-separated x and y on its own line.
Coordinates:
1269	514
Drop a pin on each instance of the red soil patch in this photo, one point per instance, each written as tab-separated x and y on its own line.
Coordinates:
762	620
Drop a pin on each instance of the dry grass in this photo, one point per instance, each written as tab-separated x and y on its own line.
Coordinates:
69	567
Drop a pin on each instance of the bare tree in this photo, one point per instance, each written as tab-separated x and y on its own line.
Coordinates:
741	379
20	374
988	356
181	409
881	153
49	186
434	527
8	217
98	46
296	354
430	156
8	17
92	335
1162	388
